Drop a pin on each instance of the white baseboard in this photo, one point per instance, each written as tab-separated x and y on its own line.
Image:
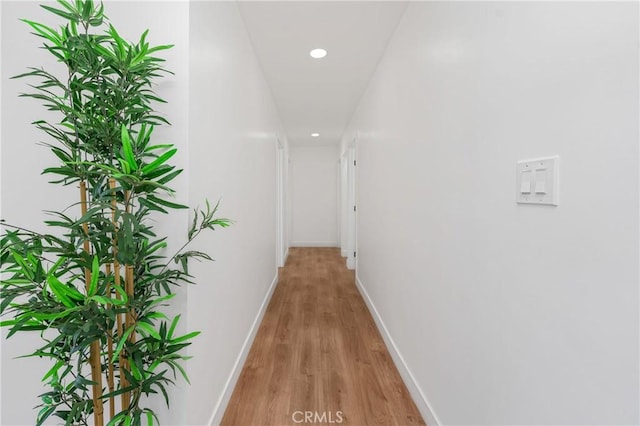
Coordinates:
343	253
315	244
428	415
351	262
223	401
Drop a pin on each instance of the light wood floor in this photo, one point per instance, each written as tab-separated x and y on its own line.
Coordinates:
319	350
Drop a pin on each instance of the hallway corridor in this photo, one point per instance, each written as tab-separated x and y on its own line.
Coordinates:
318	350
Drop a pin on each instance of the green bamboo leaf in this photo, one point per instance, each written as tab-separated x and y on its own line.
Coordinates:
25	268
6	299
125	166
181	369
100	12
26	325
53	370
164	393
156	185
95	274
104	167
67	6
56	265
158	161
58	290
159	147
143	37
61	154
44	31
104	52
156	246
87	9
15	281
123	340
73	293
185	337
165	203
154	365
126	147
120	43
43	414
117	420
159	48
96	22
141	137
118	392
151	206
63	171
73	25
65	15
100	299
155	98
107	300
134	370
53	316
162	299
148	328
174	323
157	315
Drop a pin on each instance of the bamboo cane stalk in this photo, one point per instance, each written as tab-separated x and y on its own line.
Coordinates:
110	373
94	349
127	324
116	271
131	313
128	277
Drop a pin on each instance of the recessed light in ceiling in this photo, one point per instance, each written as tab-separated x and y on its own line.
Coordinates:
318	53
315	135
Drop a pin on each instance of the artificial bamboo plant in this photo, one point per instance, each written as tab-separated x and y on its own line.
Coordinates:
95	286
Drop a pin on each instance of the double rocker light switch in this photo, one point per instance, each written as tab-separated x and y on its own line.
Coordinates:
537	181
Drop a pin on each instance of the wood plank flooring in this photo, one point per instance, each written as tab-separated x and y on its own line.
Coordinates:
318	350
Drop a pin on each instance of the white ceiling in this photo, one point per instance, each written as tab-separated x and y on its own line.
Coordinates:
319	95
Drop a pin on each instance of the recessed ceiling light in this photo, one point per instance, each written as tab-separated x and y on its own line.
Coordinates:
318	53
315	135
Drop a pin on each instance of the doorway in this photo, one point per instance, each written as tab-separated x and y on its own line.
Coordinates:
348	203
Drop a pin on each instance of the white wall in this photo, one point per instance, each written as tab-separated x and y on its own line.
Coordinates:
506	313
232	155
314	196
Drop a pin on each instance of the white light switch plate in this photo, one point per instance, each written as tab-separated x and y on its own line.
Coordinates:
537	181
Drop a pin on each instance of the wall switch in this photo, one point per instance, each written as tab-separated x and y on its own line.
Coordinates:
525	184
537	181
541	180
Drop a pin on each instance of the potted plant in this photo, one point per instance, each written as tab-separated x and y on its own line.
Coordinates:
95	286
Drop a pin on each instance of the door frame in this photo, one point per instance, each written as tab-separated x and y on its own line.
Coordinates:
281	204
344	202
350	208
